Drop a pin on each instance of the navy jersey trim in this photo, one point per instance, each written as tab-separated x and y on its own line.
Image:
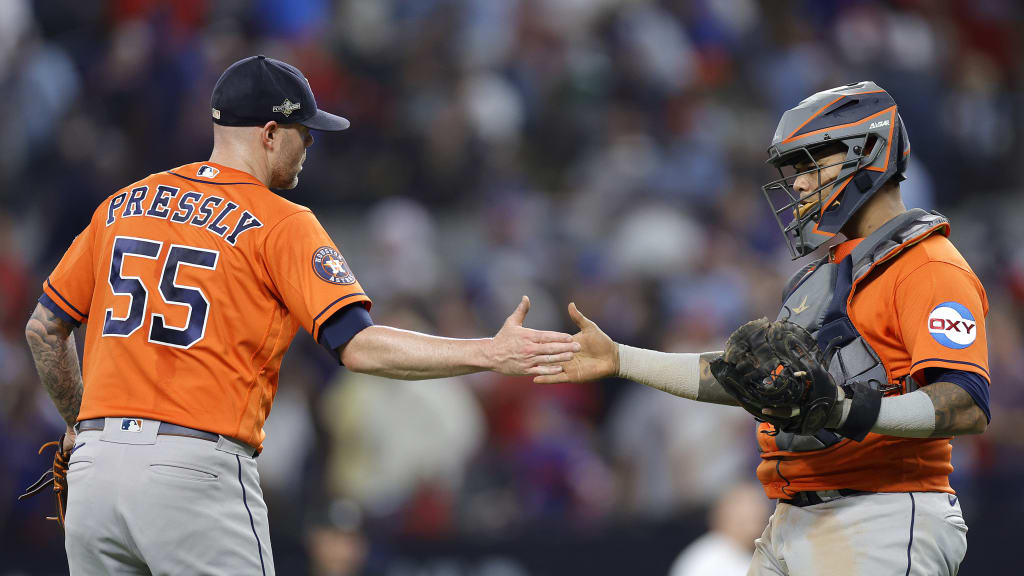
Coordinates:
913	512
212	181
971	382
982	368
316	332
56	309
252	523
778	470
65	300
342	326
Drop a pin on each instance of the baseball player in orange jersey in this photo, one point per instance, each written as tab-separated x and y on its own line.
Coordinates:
193	282
899	320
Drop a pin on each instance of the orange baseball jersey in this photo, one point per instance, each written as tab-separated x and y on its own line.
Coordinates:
193	283
923	309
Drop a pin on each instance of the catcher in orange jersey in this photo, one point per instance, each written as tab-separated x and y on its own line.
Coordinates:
193	282
878	356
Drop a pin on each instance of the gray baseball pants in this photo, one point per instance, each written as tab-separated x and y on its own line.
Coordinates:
142	503
906	533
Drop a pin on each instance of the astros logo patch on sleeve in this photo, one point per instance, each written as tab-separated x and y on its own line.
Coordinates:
330	266
952	325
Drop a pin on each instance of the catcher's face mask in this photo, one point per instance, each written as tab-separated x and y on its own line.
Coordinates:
806	190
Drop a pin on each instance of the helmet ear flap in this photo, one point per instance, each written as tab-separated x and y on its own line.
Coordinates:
902	152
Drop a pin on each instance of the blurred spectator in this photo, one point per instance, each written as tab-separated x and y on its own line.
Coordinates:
673	454
335	540
393	441
403	250
737	517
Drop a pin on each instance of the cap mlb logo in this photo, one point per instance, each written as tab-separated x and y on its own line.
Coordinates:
207	171
131	424
287	107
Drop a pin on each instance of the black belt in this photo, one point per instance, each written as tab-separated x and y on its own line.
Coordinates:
166	429
802	499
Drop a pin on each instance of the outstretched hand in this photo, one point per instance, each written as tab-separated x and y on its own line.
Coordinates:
517	350
598	355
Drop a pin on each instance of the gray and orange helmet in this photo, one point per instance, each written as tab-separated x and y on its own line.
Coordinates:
862	117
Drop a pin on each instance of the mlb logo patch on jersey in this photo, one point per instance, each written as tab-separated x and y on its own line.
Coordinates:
330	266
207	171
952	325
131	424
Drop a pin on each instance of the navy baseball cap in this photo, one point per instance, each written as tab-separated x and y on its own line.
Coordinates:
257	89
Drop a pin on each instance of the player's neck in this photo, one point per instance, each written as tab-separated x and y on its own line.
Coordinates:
881	208
240	162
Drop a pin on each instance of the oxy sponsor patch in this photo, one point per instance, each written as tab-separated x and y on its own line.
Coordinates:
952	325
331	267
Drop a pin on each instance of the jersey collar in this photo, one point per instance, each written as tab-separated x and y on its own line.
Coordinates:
844	249
214	173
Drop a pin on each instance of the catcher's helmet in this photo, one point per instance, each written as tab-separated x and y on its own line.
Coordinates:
863	118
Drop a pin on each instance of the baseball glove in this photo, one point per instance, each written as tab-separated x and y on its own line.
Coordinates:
778	365
57	475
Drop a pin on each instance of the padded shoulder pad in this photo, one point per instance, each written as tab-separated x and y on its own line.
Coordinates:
799	277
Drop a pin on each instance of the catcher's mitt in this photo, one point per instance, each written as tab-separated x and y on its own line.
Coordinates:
57	475
778	365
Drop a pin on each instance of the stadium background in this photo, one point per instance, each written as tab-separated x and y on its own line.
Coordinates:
608	152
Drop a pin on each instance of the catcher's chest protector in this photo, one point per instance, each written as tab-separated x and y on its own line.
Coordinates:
816	298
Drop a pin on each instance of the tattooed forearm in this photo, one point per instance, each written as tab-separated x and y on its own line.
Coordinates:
956	413
56	358
709	389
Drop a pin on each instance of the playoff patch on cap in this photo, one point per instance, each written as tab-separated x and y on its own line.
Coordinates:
287	107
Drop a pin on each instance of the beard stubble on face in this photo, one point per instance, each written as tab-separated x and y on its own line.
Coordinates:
284	173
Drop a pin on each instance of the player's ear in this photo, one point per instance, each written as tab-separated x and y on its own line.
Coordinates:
268	133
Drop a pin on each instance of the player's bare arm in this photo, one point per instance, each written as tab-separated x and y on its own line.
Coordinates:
684	375
56	358
407	355
956	412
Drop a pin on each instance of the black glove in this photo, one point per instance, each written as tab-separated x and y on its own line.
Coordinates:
778	365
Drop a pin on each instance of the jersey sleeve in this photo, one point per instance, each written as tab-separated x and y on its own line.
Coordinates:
941	309
309	272
68	290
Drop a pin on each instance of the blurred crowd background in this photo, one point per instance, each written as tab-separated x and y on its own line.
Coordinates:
607	152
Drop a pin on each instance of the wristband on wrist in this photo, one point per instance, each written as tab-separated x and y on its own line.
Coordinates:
906	416
865	403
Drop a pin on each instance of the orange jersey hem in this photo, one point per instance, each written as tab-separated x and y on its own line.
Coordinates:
783	491
330	309
910	465
153	415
